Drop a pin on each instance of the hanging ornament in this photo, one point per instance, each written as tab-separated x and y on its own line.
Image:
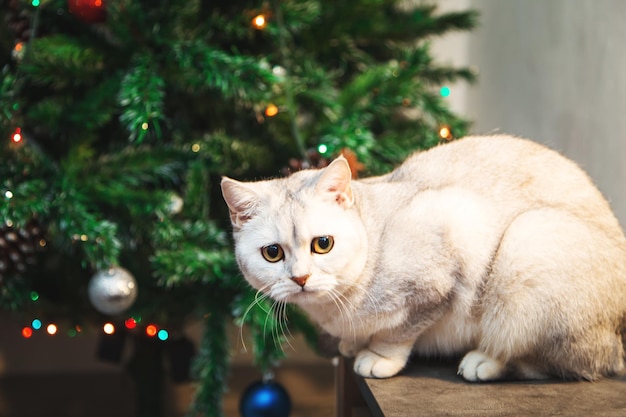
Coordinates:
112	291
175	204
89	11
279	71
265	399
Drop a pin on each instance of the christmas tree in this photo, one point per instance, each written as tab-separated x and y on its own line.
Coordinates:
118	118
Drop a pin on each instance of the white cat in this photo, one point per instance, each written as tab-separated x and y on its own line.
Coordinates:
493	247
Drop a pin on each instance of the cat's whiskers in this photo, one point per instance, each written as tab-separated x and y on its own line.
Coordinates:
278	294
259	297
350	301
278	310
338	298
284	324
364	290
275	334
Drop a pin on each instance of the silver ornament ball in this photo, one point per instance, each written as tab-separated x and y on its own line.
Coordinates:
175	204
112	291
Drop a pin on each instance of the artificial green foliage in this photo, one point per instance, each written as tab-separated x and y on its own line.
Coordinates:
211	366
128	125
141	98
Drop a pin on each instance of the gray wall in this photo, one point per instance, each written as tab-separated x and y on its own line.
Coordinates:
553	71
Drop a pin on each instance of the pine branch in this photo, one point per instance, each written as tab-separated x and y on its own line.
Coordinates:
26	176
447	22
191	264
199	67
290	98
26	200
61	61
141	98
351	130
196	197
8	100
315	84
77	227
224	153
409	24
445	74
14	295
132	183
192	252
298	15
211	365
79	112
131	167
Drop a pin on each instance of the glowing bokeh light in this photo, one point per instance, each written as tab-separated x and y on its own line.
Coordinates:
52	329
259	21
445	133
151	330
130	323
271	110
17	135
108	328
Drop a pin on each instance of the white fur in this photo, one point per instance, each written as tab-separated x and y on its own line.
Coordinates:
494	246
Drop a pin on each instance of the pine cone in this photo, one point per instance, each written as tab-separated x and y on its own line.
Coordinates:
18	248
17	20
315	160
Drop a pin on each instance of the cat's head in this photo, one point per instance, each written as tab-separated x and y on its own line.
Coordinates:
298	239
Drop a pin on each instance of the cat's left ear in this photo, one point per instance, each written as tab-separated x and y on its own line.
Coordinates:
241	200
335	182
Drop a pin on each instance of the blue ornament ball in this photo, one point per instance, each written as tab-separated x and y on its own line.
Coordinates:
265	399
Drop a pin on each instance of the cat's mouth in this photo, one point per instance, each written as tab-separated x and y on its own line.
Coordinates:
305	295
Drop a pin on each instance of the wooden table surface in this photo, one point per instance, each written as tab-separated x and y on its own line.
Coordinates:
432	388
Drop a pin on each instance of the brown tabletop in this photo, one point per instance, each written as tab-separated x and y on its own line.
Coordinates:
432	388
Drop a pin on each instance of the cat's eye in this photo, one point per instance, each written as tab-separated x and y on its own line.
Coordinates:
322	244
272	253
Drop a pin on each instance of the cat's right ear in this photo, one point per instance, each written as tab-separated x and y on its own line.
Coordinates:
241	200
335	182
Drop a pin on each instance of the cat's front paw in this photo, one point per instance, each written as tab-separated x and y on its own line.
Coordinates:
477	366
372	365
349	348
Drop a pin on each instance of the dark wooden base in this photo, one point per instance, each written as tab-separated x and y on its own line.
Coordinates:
432	388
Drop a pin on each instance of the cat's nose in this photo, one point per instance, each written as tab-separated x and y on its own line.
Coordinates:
301	280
